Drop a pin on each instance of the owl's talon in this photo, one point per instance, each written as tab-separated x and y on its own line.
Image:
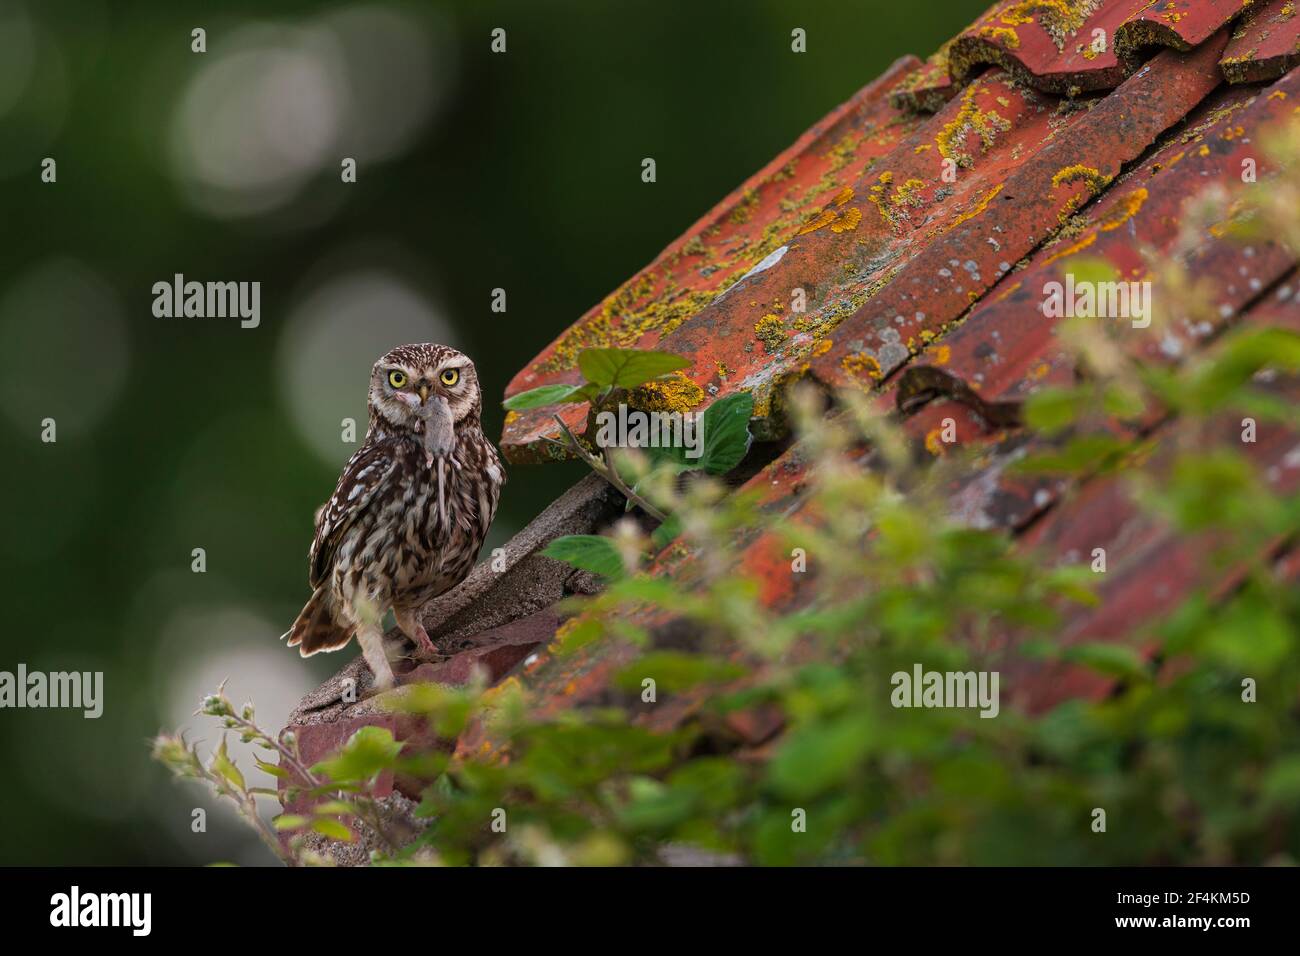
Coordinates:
410	625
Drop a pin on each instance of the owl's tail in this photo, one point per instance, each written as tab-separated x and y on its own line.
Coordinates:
315	629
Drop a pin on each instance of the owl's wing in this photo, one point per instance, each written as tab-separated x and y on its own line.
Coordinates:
366	471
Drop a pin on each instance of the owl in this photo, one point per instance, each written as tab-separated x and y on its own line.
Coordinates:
411	509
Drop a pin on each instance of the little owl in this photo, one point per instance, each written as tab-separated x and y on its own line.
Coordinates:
410	511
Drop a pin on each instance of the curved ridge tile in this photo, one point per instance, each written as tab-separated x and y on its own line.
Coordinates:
1073	46
1006	349
1266	45
957	268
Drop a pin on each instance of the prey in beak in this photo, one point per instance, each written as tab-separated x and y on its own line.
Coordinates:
439	440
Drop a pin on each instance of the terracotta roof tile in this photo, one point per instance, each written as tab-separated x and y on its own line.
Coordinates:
1266	45
1007	348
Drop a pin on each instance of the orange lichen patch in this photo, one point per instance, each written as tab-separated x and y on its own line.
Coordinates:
829	216
1128	208
848	220
1277	95
1079	246
511	417
934	442
1010	290
861	363
979	206
1006	36
675	393
822	347
909	193
823	218
1060	19
942	355
1095	179
986	124
770	330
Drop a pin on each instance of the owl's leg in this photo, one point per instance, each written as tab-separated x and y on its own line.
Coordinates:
371	639
409	622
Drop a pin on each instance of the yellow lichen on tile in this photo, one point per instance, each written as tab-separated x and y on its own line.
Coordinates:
978	207
770	330
674	393
849	220
986	124
860	363
1128	208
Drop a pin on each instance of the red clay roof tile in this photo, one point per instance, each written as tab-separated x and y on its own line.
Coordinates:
1266	45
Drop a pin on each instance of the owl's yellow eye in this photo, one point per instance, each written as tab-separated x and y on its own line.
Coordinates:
449	376
397	378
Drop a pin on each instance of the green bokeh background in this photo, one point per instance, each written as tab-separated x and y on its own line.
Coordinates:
175	433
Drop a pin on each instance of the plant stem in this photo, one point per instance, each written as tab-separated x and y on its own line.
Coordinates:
605	468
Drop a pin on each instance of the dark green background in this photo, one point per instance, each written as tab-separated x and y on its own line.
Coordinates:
526	177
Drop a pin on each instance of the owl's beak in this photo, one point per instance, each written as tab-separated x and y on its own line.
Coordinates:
424	391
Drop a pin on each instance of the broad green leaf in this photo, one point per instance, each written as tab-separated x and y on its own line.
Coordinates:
289	821
726	433
1055	409
590	552
334	808
544	395
1114	659
627	368
821	756
332	829
725	428
675	671
367	752
663	535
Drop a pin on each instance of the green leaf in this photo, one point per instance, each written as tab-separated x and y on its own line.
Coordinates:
545	395
663	535
820	757
275	770
1281	786
726	433
1054	409
369	751
223	766
332	829
725	427
627	368
289	821
675	671
1113	659
334	808
590	552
